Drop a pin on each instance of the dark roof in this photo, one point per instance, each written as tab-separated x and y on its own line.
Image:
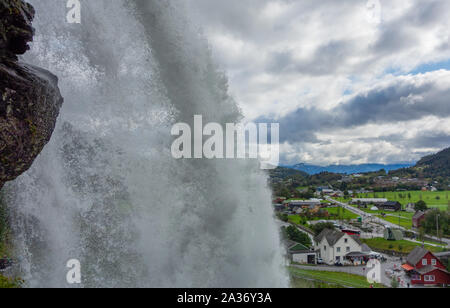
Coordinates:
416	255
356	254
332	236
392	203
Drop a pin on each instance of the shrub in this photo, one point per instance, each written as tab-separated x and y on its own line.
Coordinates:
10	283
394	283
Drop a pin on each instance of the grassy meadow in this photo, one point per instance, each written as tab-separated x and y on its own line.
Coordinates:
403	246
434	199
326	278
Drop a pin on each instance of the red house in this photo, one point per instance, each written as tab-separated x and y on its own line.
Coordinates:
418	218
424	268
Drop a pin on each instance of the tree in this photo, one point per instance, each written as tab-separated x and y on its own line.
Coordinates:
318	228
394	283
346	194
283	217
297	236
431	219
421	206
422	234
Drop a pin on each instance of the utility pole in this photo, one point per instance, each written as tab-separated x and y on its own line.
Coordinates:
437	227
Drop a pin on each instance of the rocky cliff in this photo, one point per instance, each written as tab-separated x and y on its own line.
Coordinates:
29	96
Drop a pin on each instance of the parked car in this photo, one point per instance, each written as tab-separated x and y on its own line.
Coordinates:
320	261
338	264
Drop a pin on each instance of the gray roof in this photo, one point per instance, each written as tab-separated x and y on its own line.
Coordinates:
391	204
357	239
429	268
357	254
418	215
416	255
365	248
332	236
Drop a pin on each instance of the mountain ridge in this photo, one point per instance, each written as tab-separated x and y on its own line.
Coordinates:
432	166
348	169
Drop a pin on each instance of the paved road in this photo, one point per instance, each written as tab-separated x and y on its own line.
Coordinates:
379	220
390	264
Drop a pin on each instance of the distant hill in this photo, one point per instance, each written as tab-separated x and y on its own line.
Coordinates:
432	166
282	173
348	169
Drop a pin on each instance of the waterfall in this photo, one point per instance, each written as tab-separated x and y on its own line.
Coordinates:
106	190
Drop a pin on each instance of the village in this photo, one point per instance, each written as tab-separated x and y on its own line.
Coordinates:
334	237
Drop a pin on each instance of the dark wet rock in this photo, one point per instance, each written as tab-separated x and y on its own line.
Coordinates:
15	27
29	96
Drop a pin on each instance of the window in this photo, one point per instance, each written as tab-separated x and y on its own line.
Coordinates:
325	248
348	249
424	262
433	262
338	249
429	278
346	240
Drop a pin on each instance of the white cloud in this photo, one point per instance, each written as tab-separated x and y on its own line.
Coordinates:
285	56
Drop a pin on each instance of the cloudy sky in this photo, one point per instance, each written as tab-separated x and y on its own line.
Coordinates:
349	81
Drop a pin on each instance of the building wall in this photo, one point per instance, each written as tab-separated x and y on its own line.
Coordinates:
429	257
417	222
439	278
302	258
330	253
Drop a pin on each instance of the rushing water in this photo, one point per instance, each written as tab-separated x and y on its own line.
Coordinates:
106	189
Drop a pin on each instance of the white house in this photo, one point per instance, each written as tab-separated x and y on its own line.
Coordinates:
338	247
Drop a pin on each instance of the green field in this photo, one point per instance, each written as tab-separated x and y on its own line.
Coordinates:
437	199
402	222
403	246
345	215
393	217
338	279
305	283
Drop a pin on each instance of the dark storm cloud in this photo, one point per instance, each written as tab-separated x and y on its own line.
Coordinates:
401	100
424	139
